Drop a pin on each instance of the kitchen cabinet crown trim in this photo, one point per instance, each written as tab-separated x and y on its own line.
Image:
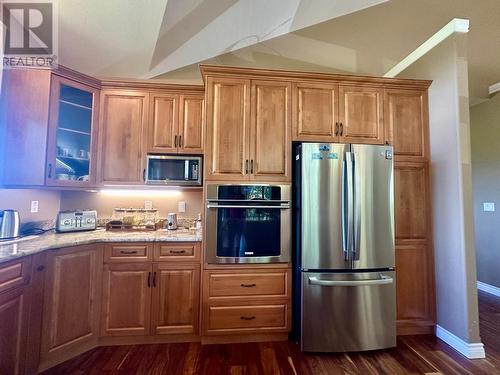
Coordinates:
345	79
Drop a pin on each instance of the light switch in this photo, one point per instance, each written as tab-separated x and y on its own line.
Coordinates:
181	206
488	207
34	206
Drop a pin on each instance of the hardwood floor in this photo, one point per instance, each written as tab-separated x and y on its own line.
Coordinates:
413	355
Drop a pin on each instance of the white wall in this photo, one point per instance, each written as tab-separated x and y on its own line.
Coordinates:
455	264
20	199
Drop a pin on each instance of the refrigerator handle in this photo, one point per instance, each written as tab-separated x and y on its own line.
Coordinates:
382	280
347	206
357	208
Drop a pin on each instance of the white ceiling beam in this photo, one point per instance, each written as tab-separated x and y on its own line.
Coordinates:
456	25
494	88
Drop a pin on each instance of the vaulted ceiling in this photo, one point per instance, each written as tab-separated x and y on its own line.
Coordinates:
168	39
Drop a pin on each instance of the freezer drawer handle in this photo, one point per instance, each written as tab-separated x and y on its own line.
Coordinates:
383	280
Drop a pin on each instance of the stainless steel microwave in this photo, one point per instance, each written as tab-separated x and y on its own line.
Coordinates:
173	170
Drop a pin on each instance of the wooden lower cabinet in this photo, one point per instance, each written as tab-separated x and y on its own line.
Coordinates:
246	301
126	299
71	303
14	310
153	298
175	303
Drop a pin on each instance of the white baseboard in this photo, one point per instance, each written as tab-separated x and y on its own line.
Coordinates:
488	288
469	350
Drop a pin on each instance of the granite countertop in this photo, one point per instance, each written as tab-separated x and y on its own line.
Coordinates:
51	240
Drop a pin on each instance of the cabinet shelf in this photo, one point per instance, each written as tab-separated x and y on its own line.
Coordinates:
74	131
75	105
72	158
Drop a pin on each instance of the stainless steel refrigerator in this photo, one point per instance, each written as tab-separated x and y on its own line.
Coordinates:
344	276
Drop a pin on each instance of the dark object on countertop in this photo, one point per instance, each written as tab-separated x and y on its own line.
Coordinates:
119	225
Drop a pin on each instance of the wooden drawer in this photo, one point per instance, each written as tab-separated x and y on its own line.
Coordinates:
128	252
15	273
177	251
235	284
231	319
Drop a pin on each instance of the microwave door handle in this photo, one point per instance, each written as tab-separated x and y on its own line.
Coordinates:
186	170
357	208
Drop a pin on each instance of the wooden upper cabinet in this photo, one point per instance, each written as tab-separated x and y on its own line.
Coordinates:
126	299
407	123
175	304
228	130
191	114
270	132
361	115
315	112
163	123
71	301
123	117
72	135
24	107
411	202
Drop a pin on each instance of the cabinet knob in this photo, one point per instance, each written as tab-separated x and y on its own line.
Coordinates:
40	268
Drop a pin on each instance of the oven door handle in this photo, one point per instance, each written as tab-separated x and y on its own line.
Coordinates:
209	205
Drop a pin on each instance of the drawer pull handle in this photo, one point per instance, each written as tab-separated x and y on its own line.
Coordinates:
128	252
248	285
247	317
177	251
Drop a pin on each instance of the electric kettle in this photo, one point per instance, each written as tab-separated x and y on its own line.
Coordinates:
9	224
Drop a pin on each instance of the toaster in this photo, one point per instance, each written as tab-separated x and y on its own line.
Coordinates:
75	221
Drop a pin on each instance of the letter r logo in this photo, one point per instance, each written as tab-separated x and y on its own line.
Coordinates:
29	28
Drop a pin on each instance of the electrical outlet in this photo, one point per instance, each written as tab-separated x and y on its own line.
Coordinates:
148	205
488	207
34	206
181	206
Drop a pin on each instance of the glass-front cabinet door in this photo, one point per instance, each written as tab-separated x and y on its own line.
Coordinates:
72	134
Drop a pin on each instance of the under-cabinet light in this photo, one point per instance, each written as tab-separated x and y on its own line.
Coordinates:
140	192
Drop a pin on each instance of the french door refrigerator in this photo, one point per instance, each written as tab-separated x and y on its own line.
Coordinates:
344	276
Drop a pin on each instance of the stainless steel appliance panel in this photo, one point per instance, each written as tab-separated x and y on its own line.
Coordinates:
373	207
322	168
344	312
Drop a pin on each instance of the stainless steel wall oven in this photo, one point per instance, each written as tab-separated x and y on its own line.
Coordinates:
248	223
